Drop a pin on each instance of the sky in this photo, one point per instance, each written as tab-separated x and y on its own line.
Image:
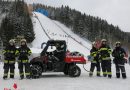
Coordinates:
116	12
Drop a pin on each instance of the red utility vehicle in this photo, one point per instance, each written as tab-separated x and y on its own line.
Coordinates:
57	60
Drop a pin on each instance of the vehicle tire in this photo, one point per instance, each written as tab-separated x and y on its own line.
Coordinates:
66	68
36	71
74	71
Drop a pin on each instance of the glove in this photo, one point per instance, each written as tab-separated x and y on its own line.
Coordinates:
122	55
90	58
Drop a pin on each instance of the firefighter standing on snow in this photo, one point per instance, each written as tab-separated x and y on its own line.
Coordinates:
10	53
104	52
95	62
118	54
23	60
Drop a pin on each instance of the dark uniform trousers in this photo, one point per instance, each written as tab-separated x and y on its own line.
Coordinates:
24	65
120	67
9	65
106	68
93	65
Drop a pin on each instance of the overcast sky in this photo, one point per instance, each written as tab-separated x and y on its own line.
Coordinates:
116	12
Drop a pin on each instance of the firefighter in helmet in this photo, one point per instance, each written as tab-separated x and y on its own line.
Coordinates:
118	54
105	52
95	62
23	60
10	52
58	53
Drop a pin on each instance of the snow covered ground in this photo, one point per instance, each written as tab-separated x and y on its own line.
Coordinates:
58	81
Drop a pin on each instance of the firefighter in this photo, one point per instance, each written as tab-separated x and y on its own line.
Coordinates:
10	53
95	62
118	54
105	52
59	52
23	60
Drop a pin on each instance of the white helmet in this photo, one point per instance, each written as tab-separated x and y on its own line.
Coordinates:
104	40
12	41
118	42
93	43
23	40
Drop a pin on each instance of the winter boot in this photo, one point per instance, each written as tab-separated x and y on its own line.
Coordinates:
118	75
21	77
124	75
90	74
12	76
98	74
104	75
109	76
4	77
28	77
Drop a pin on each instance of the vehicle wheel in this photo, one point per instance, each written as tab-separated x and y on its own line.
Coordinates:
36	71
74	71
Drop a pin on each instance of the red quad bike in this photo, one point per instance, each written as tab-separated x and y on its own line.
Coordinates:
58	60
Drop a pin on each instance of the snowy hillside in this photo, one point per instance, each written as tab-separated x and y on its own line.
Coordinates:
57	31
114	11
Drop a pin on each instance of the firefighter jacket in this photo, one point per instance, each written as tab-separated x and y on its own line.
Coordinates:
104	52
24	52
10	52
118	54
93	53
59	54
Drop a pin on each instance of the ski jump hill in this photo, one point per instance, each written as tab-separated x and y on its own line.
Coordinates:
46	29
